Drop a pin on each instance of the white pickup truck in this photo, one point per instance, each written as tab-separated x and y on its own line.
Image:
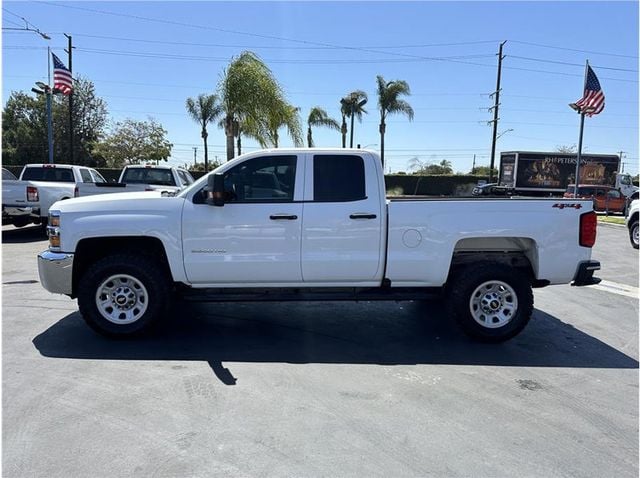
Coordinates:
169	180
27	199
312	224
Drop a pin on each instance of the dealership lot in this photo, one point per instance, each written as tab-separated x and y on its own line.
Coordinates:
322	389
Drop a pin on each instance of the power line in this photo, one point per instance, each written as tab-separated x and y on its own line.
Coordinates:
256	35
573	49
223	45
555	62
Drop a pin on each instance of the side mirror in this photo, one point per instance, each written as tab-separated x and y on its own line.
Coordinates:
215	190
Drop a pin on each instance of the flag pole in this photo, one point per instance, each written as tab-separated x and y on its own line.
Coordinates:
579	156
49	93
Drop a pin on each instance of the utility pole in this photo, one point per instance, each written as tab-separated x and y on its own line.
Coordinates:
195	151
70	52
495	113
473	167
621	163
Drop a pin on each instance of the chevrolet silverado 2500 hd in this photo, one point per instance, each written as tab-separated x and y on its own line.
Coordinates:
312	224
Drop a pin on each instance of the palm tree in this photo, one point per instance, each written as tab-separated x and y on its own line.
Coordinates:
203	110
265	129
249	91
319	117
285	115
388	102
352	106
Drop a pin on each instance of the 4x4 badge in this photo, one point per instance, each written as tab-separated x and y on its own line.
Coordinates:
574	205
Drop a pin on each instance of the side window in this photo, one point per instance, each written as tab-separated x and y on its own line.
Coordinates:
184	177
338	178
614	194
86	176
97	177
264	179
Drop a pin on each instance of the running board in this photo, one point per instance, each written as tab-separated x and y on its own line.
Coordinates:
311	294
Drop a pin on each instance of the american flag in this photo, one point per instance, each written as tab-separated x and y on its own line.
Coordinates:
592	102
61	76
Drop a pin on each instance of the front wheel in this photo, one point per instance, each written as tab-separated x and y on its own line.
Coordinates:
633	234
491	302
123	295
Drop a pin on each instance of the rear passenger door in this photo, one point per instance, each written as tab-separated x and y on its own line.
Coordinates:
342	220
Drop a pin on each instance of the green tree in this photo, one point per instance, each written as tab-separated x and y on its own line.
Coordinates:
284	116
421	167
319	117
567	149
389	103
352	105
483	171
204	110
248	91
24	126
134	142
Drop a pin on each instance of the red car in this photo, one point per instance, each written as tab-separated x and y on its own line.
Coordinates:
605	198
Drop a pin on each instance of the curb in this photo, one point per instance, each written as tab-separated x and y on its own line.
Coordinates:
609	224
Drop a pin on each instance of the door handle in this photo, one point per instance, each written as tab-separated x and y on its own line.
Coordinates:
283	217
362	216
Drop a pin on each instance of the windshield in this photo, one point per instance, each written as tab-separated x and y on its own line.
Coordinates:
148	176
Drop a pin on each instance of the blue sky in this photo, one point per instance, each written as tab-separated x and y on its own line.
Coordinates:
146	58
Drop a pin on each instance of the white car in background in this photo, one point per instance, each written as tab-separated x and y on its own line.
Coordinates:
632	222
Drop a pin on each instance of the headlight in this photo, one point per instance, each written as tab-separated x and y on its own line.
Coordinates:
53	230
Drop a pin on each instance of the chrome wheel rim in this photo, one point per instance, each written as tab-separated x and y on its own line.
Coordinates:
493	304
122	299
635	234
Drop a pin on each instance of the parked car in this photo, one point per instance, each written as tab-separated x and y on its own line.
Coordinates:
27	200
632	222
492	189
169	180
312	224
605	198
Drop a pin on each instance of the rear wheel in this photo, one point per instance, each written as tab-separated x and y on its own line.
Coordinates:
123	295
633	234
491	302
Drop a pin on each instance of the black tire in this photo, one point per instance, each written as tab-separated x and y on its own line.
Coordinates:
136	279
484	283
633	233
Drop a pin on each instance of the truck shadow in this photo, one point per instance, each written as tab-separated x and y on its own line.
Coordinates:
21	235
382	333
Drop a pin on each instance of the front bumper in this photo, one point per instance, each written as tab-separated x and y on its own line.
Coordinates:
56	272
584	274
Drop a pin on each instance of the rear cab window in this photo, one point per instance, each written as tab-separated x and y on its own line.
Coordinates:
48	173
338	178
156	176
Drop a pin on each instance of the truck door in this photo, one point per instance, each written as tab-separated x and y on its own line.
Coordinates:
342	225
255	236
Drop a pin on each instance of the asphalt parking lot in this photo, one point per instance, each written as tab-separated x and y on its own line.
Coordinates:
322	389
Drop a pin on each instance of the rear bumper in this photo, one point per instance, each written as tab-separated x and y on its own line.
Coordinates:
55	270
584	273
19	210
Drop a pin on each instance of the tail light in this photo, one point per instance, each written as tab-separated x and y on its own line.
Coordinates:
588	226
32	194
